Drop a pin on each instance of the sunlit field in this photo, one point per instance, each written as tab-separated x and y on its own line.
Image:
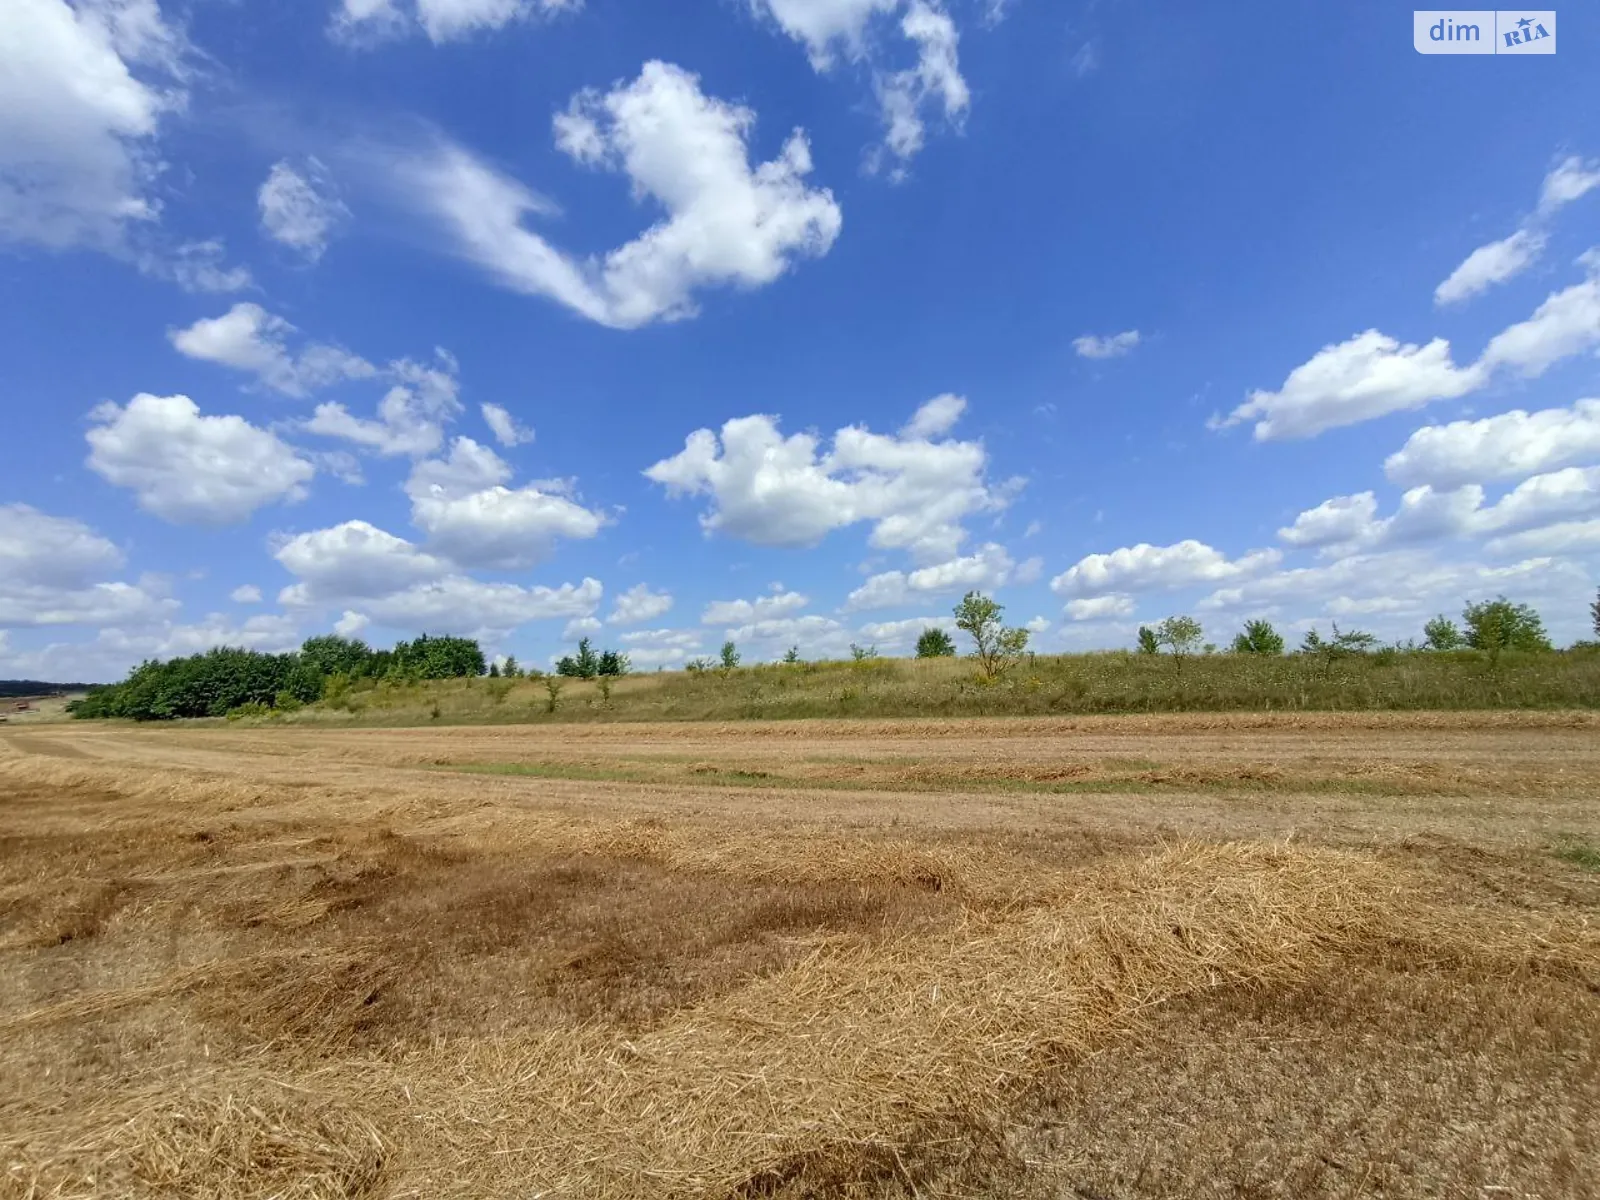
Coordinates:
1304	955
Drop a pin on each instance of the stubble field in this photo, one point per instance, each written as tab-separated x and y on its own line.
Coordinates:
1183	956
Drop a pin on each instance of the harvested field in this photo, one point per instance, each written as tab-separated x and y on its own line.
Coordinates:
1178	956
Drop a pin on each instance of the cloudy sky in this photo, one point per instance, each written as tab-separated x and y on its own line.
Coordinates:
782	320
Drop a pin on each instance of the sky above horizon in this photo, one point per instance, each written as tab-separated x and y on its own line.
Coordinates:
785	321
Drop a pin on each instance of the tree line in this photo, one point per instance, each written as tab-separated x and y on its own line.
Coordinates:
228	678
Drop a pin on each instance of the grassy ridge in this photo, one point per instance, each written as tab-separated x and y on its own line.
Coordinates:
1043	685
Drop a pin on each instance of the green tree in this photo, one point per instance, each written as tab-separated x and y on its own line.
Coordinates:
792	655
1259	637
1181	636
862	653
934	642
552	691
1594	614
996	648
730	658
1441	634
585	666
1342	644
1496	625
613	664
1148	643
334	655
494	670
511	670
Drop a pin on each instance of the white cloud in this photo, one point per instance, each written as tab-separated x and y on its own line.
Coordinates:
470	517
1491	264
661	647
1567	323
1571	180
1145	567
248	338
639	603
1111	346
411	416
831	29
732	612
192	469
1550	541
115	650
246	593
779	491
1334	522
726	222
504	426
935	418
581	627
51	572
365	21
1101	608
81	100
934	82
1510	256
991	567
1368	376
817	637
1038	625
195	266
897	635
399	584
1512	445
351	623
300	208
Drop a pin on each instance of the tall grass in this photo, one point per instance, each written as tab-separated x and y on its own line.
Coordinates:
1115	682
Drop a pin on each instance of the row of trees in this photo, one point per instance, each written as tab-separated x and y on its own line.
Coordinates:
219	681
1490	625
588	664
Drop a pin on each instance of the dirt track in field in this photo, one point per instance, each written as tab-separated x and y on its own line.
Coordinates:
1327	955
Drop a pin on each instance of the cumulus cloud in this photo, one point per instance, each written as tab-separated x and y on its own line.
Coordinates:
661	647
397	583
1333	522
1511	445
581	627
52	572
1144	568
82	96
504	426
411	416
192	469
115	649
1499	261
899	635
733	612
835	30
249	338
639	603
1567	323
725	221
786	491
1110	346
247	593
299	208
1101	608
991	567
1371	375
471	517
367	21
817	637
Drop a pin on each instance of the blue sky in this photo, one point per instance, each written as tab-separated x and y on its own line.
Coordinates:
784	320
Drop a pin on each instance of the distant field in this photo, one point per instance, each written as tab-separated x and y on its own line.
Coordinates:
1180	956
1042	686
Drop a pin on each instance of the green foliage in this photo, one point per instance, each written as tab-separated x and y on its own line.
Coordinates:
605	690
862	653
1181	636
996	648
552	688
934	642
698	666
1341	645
1496	625
613	663
494	670
1441	634
226	679
1594	614
1148	642
1259	637
588	664
791	656
729	657
509	669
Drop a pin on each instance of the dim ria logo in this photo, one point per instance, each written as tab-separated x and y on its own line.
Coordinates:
1484	31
